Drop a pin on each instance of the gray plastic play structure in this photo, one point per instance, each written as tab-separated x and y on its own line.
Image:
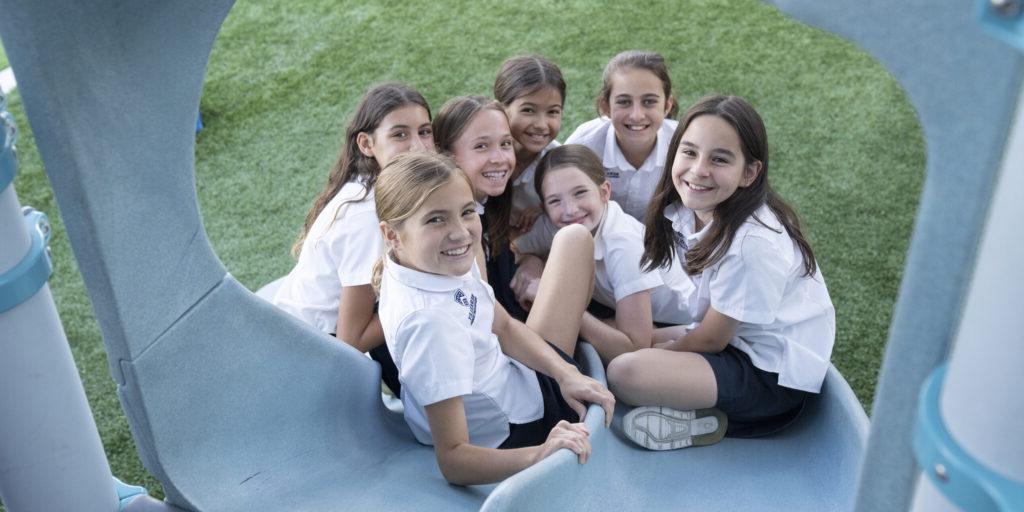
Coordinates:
234	405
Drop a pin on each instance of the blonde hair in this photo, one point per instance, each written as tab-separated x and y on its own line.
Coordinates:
404	185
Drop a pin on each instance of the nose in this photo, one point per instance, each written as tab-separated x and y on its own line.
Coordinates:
459	231
700	168
636	111
417	143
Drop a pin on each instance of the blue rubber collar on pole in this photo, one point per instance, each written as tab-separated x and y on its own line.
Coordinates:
961	478
22	281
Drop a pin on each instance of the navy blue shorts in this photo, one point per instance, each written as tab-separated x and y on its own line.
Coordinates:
555	410
752	398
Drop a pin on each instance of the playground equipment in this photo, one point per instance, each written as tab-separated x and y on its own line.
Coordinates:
224	429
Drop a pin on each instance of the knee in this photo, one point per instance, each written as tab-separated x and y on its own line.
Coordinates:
574	236
623	374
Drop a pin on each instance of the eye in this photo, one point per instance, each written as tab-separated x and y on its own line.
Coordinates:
426	132
687	152
526	110
720	160
580	193
553	202
650	102
480	147
402	135
622	102
506	143
555	112
468	212
436	219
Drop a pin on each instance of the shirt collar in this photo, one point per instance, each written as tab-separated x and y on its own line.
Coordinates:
611	212
613	156
683	222
423	280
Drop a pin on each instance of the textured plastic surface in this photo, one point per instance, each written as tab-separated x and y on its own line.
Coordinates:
21	282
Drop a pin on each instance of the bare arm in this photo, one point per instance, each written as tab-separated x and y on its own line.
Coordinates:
631	330
711	336
462	463
663	335
524	345
358	325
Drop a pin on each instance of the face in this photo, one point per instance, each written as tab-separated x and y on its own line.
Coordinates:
637	106
709	165
403	129
485	152
570	197
441	236
535	120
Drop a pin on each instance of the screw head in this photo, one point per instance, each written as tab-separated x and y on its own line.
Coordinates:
941	473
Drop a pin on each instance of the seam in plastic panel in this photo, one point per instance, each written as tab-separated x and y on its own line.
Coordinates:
176	321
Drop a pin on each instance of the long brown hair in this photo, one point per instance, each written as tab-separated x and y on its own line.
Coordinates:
569	155
637	59
661	241
352	164
404	185
449	124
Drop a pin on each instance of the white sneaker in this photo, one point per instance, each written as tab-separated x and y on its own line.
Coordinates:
663	428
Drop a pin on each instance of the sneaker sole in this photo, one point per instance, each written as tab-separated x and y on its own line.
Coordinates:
663	428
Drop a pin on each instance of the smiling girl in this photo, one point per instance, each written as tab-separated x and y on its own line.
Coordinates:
631	135
329	288
488	393
533	92
767	324
573	188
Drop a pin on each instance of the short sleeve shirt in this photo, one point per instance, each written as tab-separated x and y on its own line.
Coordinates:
632	187
524	194
339	251
438	330
787	321
618	248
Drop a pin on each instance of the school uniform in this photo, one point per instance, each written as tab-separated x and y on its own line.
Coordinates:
618	248
782	345
501	268
438	330
632	187
339	250
524	194
787	322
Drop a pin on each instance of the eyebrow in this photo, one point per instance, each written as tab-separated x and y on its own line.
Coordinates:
716	150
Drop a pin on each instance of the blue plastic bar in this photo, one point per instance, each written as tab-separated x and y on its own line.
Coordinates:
961	478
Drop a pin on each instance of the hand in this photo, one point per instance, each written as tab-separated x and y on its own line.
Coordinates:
526	280
578	389
573	436
665	345
522	222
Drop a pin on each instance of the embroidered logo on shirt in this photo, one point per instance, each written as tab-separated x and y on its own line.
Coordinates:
612	174
470	302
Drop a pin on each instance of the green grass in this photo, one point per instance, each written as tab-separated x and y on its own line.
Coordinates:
847	149
3	57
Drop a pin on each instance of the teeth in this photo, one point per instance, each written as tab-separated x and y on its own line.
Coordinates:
698	187
636	127
495	175
456	252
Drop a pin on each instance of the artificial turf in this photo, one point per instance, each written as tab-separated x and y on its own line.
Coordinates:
846	148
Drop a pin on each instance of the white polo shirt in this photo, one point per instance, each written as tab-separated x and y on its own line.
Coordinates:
787	322
340	250
618	247
524	195
631	187
438	330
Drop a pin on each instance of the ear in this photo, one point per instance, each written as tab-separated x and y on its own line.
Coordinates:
750	173
603	107
365	143
669	103
605	190
390	235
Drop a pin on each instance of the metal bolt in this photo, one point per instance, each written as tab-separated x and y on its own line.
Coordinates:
1007	8
940	473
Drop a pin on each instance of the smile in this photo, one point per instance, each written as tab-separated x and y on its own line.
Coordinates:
459	251
495	176
697	188
636	127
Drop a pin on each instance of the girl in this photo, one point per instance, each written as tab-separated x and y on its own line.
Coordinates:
465	365
571	182
766	321
533	92
475	131
631	135
329	287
